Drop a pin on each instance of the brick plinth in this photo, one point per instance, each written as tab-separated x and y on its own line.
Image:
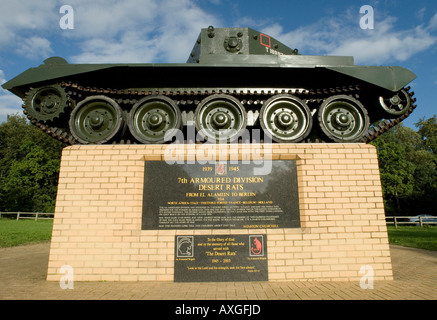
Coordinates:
97	226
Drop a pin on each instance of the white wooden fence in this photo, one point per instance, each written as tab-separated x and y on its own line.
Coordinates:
418	220
28	215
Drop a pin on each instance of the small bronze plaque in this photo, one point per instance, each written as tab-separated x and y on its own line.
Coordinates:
221	258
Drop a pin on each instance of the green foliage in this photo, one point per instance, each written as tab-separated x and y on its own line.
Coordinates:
428	132
29	167
408	167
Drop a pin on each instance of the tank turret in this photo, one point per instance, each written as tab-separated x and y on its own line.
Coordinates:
229	41
236	81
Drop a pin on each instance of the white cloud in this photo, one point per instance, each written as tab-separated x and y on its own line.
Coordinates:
9	103
22	22
34	47
386	45
433	23
129	48
25	16
342	36
137	31
109	18
420	14
105	30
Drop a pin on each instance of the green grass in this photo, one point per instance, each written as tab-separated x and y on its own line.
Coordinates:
414	236
18	232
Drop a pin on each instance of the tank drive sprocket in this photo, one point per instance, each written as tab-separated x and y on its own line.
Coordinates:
46	103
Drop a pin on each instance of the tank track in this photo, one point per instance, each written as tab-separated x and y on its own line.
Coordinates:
386	124
189	97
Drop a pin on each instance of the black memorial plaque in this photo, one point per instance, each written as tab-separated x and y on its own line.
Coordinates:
220	196
216	258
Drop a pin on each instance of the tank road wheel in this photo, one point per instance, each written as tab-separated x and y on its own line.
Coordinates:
152	117
343	119
220	118
397	104
46	103
286	118
96	119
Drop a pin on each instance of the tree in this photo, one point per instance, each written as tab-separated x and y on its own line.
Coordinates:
428	133
408	168
395	170
29	167
426	172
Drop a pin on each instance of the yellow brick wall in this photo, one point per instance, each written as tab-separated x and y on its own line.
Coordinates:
97	226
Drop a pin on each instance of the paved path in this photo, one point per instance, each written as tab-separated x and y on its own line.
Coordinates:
23	272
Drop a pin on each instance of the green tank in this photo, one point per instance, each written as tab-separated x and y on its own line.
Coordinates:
237	84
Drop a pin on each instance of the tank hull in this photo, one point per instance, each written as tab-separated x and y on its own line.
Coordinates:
229	71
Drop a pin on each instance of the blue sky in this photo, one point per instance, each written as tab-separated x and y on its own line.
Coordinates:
164	31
